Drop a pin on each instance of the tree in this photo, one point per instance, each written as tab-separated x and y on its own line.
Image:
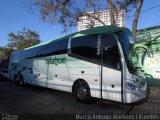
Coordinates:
4	56
5	53
68	12
128	5
112	11
24	38
136	16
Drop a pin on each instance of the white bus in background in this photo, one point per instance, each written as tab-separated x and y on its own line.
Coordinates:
90	63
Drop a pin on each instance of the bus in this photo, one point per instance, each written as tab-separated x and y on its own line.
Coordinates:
89	63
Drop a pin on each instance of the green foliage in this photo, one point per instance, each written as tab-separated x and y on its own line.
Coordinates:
23	39
127	5
5	53
68	12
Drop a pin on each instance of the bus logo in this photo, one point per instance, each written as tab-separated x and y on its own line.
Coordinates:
55	61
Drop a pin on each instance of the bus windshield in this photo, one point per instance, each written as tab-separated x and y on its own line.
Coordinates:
127	49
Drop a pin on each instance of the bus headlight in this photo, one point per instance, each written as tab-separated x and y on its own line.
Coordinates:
131	86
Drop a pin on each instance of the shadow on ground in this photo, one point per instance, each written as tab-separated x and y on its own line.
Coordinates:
32	99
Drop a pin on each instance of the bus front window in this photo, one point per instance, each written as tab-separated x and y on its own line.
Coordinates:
127	49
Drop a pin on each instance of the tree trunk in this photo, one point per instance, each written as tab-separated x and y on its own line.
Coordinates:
111	11
136	16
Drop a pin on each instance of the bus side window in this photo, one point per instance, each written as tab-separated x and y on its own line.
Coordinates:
111	56
85	47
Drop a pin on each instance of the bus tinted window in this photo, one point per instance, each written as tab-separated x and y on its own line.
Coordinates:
33	52
127	49
111	55
85	47
57	47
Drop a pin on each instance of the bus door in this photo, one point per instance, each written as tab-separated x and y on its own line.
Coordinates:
111	69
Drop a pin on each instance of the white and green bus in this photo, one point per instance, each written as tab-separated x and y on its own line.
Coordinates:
89	63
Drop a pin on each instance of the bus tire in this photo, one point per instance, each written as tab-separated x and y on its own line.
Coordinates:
82	91
21	80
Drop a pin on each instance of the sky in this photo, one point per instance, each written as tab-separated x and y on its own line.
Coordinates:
16	14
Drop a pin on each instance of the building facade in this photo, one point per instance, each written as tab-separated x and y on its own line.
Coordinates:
147	49
87	21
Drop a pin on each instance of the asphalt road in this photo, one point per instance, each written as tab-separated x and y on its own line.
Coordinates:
37	100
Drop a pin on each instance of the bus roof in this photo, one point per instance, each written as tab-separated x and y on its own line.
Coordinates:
101	29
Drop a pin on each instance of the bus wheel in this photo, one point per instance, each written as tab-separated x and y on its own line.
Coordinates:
21	81
82	92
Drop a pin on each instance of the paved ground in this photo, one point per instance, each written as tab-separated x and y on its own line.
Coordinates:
32	100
